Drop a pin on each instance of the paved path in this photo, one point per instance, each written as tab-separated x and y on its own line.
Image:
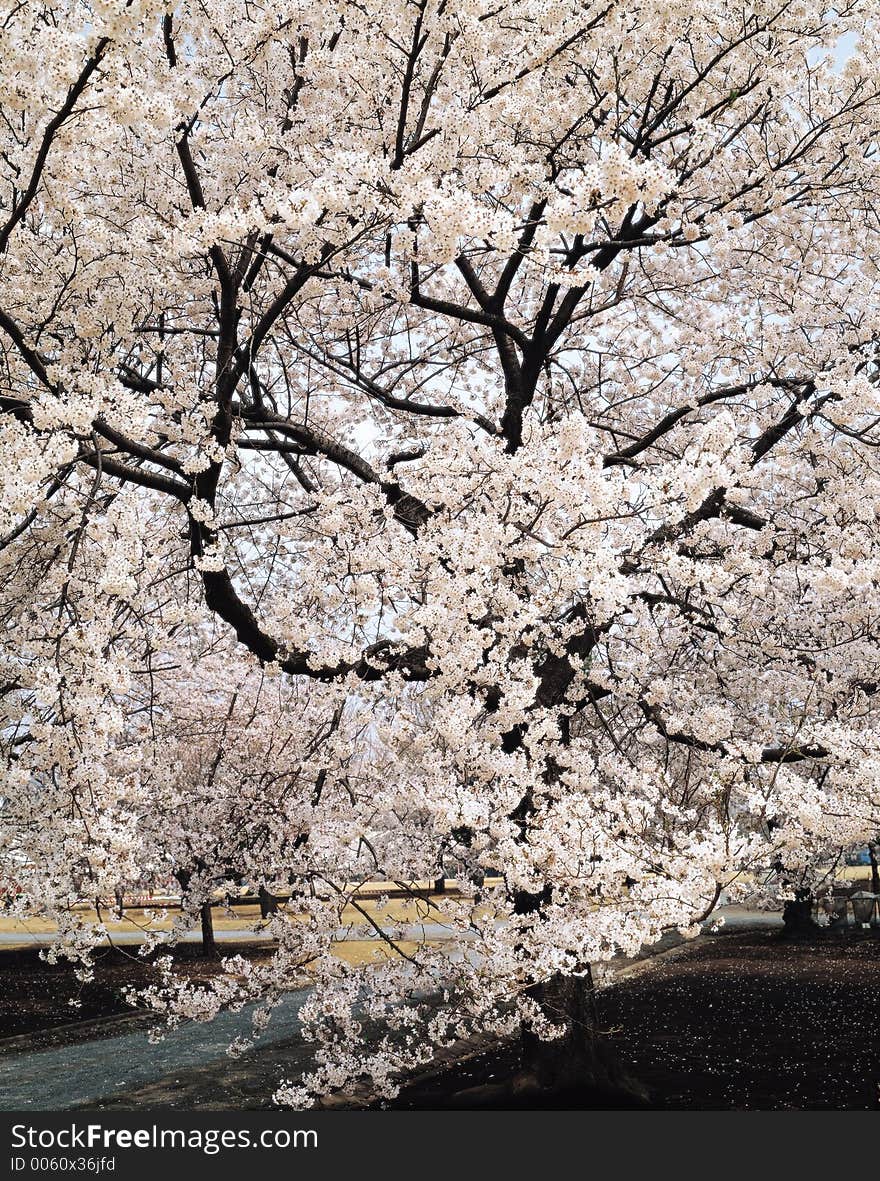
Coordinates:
57	1079
63	1077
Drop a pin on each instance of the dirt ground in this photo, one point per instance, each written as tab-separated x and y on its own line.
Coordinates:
744	1022
754	1022
35	996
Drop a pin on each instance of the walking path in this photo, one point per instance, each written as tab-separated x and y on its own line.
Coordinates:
62	1077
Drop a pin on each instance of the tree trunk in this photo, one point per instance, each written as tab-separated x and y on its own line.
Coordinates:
439	885
875	872
268	903
578	1068
209	944
797	914
569	1060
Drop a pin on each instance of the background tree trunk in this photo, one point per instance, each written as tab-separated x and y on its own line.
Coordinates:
209	944
797	914
268	903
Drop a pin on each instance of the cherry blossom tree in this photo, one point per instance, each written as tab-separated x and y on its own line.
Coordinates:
494	381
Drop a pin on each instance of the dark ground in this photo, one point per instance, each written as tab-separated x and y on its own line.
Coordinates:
35	996
755	1023
747	1022
740	1021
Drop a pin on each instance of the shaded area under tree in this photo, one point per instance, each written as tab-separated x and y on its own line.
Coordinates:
737	1022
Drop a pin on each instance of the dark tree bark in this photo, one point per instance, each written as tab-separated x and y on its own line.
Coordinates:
576	1066
209	944
579	1068
797	914
569	1060
268	903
